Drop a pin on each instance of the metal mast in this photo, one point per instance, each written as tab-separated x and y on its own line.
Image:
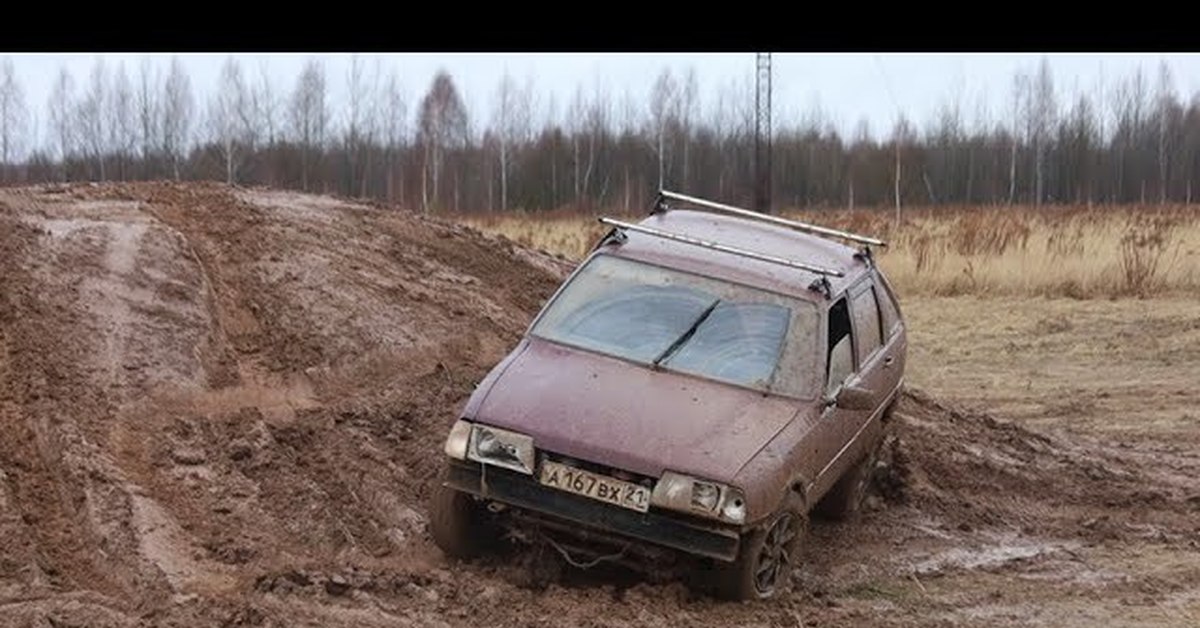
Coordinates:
762	134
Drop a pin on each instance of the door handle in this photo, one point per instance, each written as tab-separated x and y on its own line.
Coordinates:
887	361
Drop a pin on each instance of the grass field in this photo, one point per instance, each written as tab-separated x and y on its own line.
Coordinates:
1071	251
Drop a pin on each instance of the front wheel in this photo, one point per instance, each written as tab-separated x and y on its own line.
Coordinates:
456	523
764	563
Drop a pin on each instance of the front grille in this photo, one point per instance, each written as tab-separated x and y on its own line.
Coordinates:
662	528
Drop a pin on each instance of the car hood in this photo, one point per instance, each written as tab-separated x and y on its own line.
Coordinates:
608	411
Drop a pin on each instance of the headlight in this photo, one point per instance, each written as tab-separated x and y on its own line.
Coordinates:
456	442
502	448
699	497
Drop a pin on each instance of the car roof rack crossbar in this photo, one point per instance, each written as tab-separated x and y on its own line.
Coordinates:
716	246
661	206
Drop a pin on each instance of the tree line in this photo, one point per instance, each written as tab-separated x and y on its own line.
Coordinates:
1133	141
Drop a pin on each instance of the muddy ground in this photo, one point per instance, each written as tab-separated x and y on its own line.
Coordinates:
226	406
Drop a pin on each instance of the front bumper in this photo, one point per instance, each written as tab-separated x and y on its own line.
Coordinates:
524	492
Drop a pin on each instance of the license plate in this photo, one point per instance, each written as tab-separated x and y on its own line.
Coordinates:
598	487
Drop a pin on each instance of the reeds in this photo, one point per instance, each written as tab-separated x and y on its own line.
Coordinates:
1072	251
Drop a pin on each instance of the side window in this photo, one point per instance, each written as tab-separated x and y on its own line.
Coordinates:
840	356
866	324
889	313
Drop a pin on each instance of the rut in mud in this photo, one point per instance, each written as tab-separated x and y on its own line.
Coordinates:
226	406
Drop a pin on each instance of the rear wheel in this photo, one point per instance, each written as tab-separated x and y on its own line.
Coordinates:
456	521
764	564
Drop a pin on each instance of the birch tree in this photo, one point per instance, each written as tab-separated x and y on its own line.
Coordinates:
1019	88
266	106
309	115
663	107
13	114
689	95
122	121
62	117
147	104
394	128
90	113
511	119
1043	117
176	111
442	126
230	118
1165	97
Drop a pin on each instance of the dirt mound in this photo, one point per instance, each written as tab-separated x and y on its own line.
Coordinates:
226	407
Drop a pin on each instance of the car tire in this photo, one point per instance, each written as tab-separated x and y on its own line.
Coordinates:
844	501
763	568
456	523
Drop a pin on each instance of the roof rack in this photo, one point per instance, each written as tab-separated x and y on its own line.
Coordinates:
661	206
621	226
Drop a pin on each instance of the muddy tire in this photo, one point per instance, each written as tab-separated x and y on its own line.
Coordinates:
763	568
844	501
457	524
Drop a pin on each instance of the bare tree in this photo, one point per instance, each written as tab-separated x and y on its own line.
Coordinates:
90	113
62	115
149	131
309	114
901	134
1166	96
122	124
575	126
229	118
1129	110
361	124
176	112
442	126
371	125
688	103
663	111
1019	91
723	122
596	119
511	119
395	112
12	114
266	105
357	97
1042	114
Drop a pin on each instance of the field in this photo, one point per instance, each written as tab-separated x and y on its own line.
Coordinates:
225	407
1075	252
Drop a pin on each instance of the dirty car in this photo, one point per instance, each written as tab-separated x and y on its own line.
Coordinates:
703	381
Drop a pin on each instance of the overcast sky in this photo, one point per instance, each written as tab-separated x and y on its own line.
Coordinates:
845	87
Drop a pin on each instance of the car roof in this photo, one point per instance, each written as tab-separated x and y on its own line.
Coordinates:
742	233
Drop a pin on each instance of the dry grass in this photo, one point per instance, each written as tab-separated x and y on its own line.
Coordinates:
1069	251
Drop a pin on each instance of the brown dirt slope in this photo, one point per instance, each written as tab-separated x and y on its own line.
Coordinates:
226	406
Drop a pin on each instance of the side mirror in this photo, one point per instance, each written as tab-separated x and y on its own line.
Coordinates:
855	398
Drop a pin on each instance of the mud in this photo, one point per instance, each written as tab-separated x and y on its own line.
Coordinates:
226	406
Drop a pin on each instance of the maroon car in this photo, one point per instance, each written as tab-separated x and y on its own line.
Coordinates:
700	384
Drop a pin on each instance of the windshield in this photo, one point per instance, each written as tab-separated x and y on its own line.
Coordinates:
688	323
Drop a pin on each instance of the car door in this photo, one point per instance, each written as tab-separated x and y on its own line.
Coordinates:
895	339
875	356
836	426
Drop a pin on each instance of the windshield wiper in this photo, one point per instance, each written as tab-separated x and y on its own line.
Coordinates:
691	330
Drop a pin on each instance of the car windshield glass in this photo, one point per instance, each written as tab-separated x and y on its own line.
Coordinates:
687	323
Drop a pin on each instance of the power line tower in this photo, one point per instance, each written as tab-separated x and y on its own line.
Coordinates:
762	134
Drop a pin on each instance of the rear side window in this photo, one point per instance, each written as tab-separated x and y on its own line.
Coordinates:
866	324
889	313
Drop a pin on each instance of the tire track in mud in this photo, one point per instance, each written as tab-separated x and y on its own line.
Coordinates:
124	533
57	482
